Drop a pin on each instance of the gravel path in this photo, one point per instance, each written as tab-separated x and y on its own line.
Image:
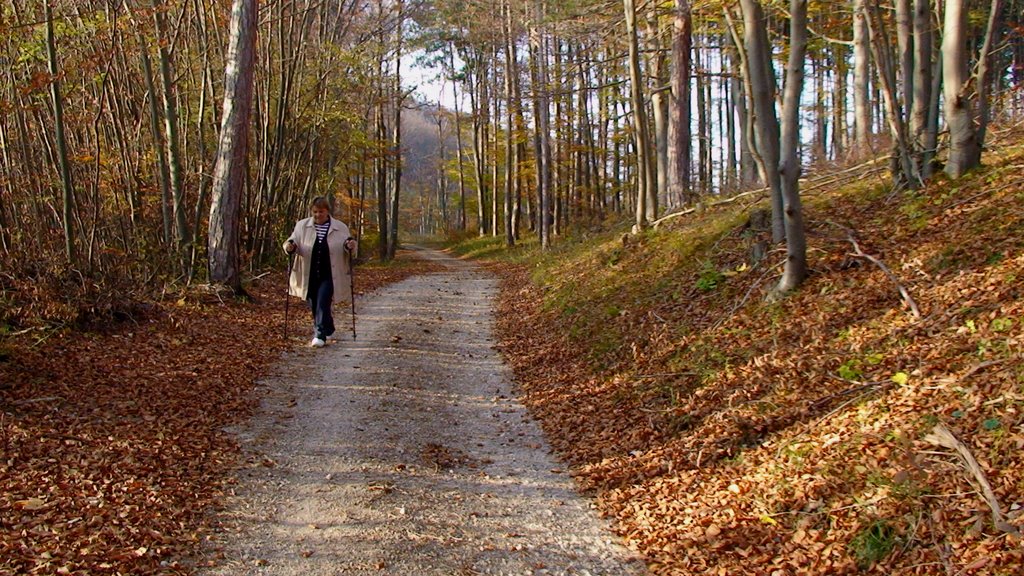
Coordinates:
405	452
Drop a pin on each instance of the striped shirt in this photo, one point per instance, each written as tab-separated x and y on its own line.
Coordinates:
321	230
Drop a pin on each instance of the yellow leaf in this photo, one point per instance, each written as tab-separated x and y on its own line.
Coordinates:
30	504
768	520
900	378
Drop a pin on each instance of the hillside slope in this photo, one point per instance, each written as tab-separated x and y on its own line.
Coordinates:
727	435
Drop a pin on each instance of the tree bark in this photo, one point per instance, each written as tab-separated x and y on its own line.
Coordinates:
57	100
679	153
645	160
964	147
458	140
174	156
861	77
396	173
796	244
229	174
511	103
761	78
922	87
659	111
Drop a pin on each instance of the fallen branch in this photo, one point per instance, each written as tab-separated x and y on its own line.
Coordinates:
941	436
811	182
746	296
36	400
858	253
882	384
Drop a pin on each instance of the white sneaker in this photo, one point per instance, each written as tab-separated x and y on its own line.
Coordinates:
317	343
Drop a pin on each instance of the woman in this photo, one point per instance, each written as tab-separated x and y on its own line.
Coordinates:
321	266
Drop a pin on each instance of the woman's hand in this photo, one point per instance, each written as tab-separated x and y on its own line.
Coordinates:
350	245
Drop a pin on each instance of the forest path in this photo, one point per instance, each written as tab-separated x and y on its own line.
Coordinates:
405	452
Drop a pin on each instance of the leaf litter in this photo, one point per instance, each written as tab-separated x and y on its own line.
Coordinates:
727	435
113	449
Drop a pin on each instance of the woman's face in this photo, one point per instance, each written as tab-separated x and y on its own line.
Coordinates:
320	215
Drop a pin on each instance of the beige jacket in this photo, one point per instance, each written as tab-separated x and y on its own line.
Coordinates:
304	236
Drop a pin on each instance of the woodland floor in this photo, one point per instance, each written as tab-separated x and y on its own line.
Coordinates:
722	434
838	431
402	452
113	446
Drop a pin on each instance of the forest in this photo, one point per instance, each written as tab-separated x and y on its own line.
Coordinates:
155	153
147	166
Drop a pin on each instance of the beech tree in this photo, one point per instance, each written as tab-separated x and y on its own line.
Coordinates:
679	108
966	102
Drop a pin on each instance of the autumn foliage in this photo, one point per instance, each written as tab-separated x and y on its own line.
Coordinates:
113	448
730	435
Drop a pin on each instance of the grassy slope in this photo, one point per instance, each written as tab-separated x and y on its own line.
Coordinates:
729	435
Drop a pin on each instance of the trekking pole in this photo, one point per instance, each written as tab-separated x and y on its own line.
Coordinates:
287	292
352	290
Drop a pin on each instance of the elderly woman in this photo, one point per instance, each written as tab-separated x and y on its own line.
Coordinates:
321	268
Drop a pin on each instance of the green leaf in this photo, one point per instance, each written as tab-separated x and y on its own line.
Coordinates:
991	424
900	378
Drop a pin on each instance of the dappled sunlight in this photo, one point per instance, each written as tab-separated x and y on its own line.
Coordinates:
722	430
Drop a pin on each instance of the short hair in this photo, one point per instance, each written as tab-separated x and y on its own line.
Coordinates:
322	202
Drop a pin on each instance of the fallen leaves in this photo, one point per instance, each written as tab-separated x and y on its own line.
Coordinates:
113	445
727	436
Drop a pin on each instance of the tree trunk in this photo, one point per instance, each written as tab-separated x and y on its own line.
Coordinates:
701	82
382	175
229	173
396	178
458	140
861	77
766	124
922	83
984	70
174	156
660	112
68	198
511	103
679	106
158	143
796	244
964	147
645	160
904	170
541	114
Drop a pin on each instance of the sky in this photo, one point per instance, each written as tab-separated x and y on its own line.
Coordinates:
429	87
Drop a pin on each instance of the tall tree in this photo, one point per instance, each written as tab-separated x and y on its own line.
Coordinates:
511	71
761	85
964	146
399	99
66	178
796	244
861	77
229	173
644	154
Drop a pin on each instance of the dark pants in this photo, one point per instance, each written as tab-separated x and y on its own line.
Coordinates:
320	298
